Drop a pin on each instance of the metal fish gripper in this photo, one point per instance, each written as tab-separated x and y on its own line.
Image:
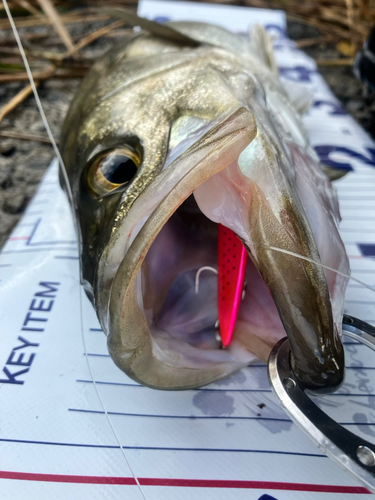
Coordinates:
352	453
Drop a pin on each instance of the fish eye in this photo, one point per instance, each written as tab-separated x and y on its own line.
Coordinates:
113	170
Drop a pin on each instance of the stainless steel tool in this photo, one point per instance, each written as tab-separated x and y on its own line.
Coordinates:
352	453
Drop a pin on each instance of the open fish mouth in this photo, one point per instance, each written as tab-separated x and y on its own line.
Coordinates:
249	168
160	331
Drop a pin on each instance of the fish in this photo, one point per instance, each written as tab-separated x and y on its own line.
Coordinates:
181	129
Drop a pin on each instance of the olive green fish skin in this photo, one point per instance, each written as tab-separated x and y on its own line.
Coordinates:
118	103
134	96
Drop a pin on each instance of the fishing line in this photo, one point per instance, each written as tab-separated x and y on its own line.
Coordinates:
276	249
70	196
101	401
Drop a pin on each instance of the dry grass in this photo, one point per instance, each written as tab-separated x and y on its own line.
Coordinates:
342	19
55	53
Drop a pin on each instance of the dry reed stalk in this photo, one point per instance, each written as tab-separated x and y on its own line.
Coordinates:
350	13
14	63
10	5
93	36
14	134
30	8
16	100
83	42
25	22
10	51
335	62
21	77
308	42
336	15
58	24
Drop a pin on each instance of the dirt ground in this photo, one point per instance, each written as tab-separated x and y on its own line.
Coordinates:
23	162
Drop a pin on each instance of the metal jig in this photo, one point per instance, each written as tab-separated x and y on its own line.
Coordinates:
352	453
232	258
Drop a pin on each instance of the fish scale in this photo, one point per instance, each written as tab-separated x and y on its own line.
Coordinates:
232	259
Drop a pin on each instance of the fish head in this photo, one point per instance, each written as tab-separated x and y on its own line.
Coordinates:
161	144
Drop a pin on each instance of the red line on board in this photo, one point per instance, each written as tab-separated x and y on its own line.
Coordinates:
62	478
194	483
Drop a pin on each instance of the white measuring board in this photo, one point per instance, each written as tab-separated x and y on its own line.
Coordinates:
210	443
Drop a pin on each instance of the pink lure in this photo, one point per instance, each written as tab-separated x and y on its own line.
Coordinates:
231	278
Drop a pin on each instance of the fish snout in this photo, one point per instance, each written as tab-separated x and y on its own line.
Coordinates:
288	259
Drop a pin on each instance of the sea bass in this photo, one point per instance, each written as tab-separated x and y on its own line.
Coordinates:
182	128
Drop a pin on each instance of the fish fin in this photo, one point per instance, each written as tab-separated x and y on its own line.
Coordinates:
261	45
299	95
157	29
333	174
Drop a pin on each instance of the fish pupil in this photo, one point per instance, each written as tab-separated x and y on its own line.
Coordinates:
118	169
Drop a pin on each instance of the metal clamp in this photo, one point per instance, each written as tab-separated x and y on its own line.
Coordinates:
352	453
359	330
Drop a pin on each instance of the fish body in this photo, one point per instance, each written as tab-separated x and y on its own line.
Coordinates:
164	141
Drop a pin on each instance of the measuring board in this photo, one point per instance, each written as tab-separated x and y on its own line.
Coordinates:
230	439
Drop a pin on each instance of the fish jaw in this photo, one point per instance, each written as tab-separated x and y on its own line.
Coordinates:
300	291
299	288
129	341
274	228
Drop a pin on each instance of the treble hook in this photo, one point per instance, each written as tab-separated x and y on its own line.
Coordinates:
353	454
